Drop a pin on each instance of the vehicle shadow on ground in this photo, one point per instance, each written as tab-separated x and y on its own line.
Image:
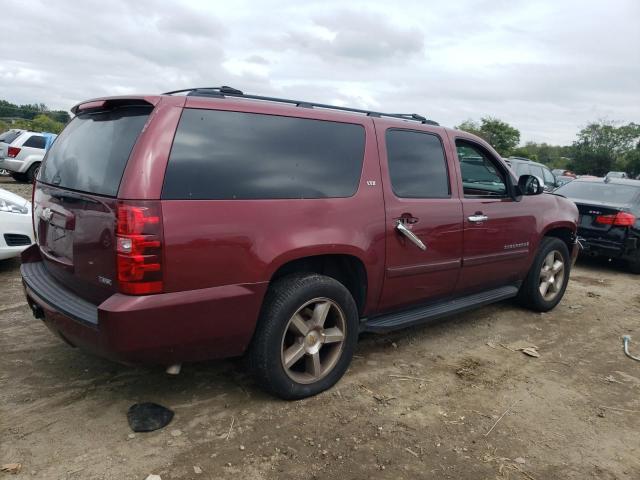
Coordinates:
72	372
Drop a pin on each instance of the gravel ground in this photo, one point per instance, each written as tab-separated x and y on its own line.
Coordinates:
451	400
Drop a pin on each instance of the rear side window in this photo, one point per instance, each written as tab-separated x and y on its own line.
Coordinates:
35	141
91	153
417	165
220	155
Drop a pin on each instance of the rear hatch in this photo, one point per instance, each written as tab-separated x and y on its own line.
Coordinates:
75	198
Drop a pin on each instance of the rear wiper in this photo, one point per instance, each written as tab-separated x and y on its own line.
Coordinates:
71	197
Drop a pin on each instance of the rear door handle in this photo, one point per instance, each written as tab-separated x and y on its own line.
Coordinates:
410	235
478	217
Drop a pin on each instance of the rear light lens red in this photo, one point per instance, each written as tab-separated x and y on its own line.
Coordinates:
139	247
620	219
12	152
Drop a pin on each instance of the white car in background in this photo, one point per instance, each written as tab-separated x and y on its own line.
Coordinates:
16	229
22	156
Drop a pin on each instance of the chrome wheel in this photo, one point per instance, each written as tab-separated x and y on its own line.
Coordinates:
313	340
552	275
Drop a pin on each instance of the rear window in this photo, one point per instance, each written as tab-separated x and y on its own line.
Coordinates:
35	141
91	153
600	192
233	155
8	137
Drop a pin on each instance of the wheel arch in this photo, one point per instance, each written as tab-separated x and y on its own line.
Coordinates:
563	231
346	267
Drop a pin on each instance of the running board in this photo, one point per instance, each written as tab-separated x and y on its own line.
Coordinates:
415	316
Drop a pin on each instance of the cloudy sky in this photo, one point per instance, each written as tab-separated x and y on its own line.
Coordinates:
546	67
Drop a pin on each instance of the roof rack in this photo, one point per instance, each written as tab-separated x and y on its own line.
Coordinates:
225	91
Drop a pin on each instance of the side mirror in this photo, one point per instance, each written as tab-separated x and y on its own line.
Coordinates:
530	185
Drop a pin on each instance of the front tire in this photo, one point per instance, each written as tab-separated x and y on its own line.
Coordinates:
306	336
548	277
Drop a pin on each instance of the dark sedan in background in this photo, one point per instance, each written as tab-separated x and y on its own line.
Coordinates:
609	221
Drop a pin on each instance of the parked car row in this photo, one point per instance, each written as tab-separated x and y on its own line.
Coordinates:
22	151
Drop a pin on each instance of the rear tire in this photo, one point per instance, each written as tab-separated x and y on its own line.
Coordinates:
306	336
634	266
32	173
548	277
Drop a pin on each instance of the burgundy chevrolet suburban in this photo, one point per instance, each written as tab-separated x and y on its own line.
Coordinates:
208	223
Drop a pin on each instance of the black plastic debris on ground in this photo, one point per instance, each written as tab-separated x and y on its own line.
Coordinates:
148	416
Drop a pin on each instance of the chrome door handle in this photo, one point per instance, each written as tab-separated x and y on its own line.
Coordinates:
478	218
410	235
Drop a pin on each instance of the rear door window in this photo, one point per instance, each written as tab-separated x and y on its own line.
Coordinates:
35	141
417	165
91	153
222	155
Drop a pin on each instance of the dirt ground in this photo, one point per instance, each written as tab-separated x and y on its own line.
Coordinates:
450	400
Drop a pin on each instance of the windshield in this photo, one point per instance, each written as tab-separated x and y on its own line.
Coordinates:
90	155
600	192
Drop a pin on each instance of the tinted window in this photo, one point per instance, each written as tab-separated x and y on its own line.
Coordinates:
417	165
91	153
537	171
35	141
234	155
480	176
523	169
600	192
549	179
8	137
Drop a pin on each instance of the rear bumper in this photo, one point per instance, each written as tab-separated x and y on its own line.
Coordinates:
610	248
13	165
160	329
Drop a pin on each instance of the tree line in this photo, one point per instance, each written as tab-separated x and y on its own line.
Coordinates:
35	117
600	147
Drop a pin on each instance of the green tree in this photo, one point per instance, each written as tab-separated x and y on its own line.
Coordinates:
44	123
603	146
4	126
500	135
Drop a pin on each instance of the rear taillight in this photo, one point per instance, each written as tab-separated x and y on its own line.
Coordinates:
139	247
620	219
12	152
